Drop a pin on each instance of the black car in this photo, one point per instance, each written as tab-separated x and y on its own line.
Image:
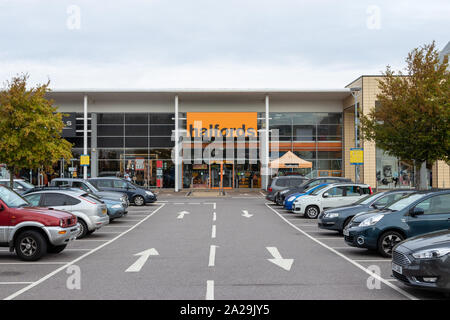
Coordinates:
136	194
283	194
338	218
283	182
424	261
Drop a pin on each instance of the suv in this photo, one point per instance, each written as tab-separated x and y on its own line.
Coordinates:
20	186
90	210
331	196
283	182
32	232
136	194
284	194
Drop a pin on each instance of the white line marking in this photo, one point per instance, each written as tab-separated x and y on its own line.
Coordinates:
373	260
179	203
214	216
399	290
108	232
15	282
210	290
143	257
51	274
212	256
329	238
77	249
341	248
32	263
130	225
194	203
278	260
135	216
77	240
213	232
214	206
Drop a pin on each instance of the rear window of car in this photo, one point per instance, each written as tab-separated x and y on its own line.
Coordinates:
60	183
281	182
295	182
58	199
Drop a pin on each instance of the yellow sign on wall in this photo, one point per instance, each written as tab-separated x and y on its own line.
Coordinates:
225	124
84	160
356	156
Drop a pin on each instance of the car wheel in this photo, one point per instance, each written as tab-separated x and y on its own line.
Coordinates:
139	200
83	229
312	212
56	249
388	241
30	245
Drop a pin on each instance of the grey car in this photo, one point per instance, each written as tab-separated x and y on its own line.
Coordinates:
90	210
20	186
283	182
90	188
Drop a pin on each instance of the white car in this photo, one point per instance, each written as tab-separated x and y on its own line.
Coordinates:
331	196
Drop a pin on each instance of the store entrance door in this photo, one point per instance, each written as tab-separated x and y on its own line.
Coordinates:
221	174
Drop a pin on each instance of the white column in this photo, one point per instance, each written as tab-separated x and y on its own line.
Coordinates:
85	133
266	160
177	150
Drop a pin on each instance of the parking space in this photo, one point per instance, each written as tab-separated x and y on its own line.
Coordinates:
366	258
16	274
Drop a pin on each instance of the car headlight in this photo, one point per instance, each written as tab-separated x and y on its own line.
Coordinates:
149	193
371	221
116	206
291	199
431	253
331	215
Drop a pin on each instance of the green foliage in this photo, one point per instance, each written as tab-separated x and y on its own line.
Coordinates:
412	121
30	128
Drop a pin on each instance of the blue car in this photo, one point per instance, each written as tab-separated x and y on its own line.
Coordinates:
289	202
115	208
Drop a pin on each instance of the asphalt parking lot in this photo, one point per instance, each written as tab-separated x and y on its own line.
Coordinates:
233	247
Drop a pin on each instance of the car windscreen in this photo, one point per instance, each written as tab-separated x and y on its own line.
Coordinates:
404	202
315	188
367	199
91	197
317	191
26	184
12	199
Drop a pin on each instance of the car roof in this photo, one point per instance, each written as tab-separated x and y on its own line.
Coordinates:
291	177
68	191
106	178
349	184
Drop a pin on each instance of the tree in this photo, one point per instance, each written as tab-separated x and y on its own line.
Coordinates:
30	128
412	120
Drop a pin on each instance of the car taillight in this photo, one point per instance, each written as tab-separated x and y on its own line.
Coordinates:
269	189
370	190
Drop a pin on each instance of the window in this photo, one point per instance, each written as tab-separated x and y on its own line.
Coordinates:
34	199
295	182
336	192
353	191
120	184
60	183
384	201
54	200
103	183
436	205
81	185
281	183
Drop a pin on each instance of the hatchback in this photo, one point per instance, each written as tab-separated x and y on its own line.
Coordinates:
413	215
90	211
283	182
136	194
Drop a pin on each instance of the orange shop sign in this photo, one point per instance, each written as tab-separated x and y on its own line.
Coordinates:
225	124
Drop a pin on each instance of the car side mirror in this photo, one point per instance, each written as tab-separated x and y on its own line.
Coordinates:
417	211
326	195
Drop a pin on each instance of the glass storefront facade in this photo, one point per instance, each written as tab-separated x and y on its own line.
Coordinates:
392	172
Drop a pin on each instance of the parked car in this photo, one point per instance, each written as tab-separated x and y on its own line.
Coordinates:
90	211
32	232
115	209
283	182
413	215
332	196
283	194
424	261
289	202
20	186
338	218
136	194
90	188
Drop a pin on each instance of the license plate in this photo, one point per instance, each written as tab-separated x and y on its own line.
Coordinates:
346	232
397	268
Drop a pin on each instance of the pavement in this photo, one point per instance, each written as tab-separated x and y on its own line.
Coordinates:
235	246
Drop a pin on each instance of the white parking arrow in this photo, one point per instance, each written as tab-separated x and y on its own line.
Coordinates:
246	214
286	264
144	255
181	214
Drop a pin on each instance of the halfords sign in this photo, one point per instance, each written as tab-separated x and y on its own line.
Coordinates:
222	124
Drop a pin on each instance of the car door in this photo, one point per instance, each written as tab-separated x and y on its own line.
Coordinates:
352	194
436	215
57	201
335	197
104	184
125	187
5	223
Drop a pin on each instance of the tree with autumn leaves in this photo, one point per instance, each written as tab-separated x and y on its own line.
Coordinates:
412	120
30	128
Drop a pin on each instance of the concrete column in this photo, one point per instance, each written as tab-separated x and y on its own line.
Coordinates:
94	151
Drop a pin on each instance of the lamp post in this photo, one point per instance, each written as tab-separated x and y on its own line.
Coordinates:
355	91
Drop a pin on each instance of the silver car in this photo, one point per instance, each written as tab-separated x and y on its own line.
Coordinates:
90	210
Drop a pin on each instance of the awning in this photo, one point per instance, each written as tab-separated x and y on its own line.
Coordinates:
289	160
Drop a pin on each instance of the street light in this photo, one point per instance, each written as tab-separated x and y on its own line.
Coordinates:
355	91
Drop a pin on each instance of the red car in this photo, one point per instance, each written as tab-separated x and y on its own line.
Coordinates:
31	231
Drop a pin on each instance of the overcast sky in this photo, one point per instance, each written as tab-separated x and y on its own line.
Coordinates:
317	44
